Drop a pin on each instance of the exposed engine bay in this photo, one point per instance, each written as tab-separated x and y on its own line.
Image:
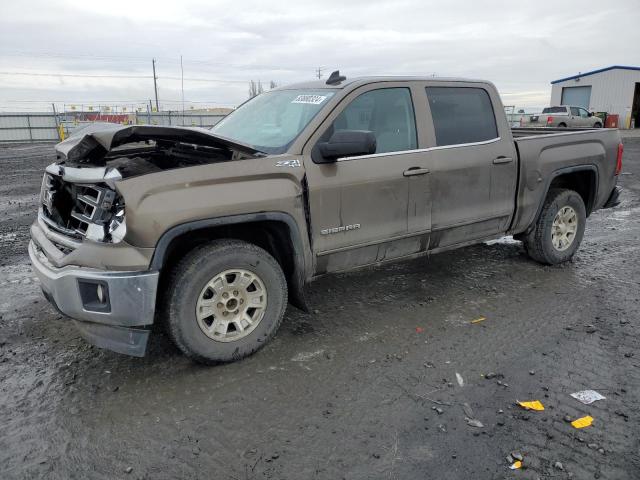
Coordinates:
79	198
159	156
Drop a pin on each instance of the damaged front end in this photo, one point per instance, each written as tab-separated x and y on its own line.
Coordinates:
83	203
79	198
79	247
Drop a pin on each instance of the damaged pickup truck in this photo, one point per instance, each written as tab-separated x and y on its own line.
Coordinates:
212	233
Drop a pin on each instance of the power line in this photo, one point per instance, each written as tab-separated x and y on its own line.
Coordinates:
79	75
142	77
87	101
146	59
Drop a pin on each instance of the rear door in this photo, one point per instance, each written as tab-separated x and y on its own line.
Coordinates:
369	208
473	163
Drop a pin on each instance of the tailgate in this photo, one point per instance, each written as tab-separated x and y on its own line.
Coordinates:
534	118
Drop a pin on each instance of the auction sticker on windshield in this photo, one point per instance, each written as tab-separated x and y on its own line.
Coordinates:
310	99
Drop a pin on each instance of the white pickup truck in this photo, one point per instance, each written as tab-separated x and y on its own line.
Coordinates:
562	116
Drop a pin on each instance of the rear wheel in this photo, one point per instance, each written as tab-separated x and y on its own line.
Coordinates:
559	230
225	300
562	125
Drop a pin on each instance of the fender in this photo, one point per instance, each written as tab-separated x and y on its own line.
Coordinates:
561	171
296	281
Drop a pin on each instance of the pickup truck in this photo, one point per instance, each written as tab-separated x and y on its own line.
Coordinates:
562	116
211	233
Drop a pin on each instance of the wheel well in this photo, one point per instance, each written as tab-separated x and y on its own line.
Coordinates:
581	181
271	235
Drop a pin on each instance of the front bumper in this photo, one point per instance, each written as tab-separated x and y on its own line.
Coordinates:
110	307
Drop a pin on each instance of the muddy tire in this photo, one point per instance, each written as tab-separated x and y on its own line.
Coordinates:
224	301
559	229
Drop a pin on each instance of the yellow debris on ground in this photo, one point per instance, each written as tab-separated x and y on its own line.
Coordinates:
517	464
582	422
532	405
478	320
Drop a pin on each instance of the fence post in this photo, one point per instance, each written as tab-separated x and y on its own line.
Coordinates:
55	117
29	127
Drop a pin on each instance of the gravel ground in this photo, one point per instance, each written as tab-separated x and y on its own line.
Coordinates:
365	387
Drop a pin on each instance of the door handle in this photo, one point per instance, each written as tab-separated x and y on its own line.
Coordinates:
415	171
500	160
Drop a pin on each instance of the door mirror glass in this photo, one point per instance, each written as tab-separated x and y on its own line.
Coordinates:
347	143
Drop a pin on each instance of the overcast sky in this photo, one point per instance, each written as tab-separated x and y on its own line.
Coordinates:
101	51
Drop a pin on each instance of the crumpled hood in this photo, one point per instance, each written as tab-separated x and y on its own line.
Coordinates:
93	143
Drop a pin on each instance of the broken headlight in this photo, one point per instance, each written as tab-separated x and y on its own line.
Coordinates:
100	217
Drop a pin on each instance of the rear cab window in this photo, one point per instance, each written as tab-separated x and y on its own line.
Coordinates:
554	110
461	115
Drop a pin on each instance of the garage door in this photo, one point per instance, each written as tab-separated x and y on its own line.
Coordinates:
578	96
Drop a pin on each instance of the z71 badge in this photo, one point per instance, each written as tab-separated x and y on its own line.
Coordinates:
346	228
288	163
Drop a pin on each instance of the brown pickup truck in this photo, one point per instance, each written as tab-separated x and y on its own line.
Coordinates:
212	232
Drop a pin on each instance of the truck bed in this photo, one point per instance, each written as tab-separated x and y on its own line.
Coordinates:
545	153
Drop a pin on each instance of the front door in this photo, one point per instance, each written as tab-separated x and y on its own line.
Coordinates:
574	117
585	119
370	208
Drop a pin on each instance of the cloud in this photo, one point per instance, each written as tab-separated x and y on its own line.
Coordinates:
520	46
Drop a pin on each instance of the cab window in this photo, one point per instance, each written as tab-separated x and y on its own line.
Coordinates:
461	115
387	112
575	111
583	113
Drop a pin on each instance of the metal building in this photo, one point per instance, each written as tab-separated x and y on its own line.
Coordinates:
615	90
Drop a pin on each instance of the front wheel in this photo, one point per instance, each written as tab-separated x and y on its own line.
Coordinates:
558	231
224	301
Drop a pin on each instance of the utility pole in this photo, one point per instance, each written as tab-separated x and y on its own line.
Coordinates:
319	72
155	83
182	87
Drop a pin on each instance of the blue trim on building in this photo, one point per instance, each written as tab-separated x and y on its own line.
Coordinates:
593	72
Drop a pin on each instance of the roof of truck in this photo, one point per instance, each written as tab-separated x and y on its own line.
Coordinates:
322	84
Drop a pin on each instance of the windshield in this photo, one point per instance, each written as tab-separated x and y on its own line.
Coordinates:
271	121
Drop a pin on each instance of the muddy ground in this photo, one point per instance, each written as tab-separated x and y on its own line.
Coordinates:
363	388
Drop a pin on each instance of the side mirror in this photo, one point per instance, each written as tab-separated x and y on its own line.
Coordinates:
346	143
590	114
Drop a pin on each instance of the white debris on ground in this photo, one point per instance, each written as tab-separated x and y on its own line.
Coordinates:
588	396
